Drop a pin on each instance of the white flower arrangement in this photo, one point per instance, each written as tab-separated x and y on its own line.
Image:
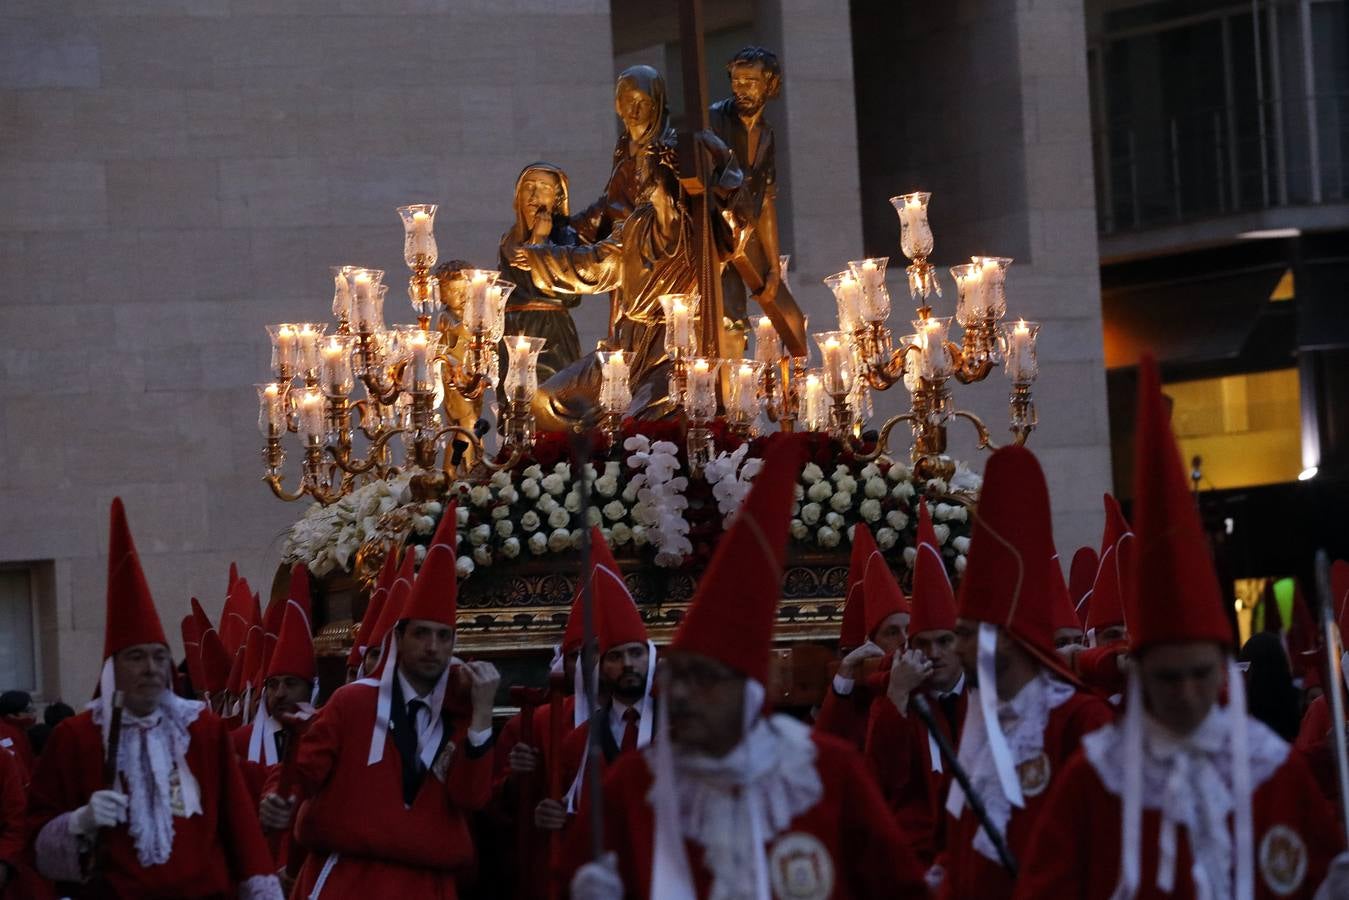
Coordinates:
660	498
730	475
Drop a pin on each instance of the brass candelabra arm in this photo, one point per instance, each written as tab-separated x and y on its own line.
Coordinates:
882	438
512	457
469	385
361	408
274	482
883	376
341	454
985	437
968	370
385	391
1024	417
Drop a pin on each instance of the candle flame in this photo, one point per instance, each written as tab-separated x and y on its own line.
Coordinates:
700	365
912	201
522	344
271	391
765	322
363	276
285	330
419	215
831	344
1022	328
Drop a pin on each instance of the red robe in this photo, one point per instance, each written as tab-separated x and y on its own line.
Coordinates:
24	883
850	823
899	754
970	874
1318	749
1098	667
355	811
845	715
212	852
255	774
1075	854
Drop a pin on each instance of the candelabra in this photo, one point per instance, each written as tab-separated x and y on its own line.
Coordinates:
406	372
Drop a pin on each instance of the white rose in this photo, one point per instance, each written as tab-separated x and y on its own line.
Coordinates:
538	542
482	556
593	516
500	479
562	469
606	486
630	492
937	486
500	512
423	524
848	485
902	491
554	484
620	534
841	501
798	492
558	518
480	495
508	495
572	502
461	516
614	510
962	544
840	471
510	548
639	538
820	491
886	538
870	470
479	535
870	510
799	530
942	512
827	537
959	513
530	521
833	520
910	554
505	528
464	566
432	507
875	488
419	553
896	519
533	472
811	473
942	532
546	504
810	513
960	565
559	540
898	472
530	488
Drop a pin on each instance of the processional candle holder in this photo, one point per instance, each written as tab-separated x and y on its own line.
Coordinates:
1021	366
701	408
915	241
744	380
522	382
615	393
681	340
836	378
420	254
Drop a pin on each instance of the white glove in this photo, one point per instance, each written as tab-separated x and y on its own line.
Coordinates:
1336	884
598	880
104	810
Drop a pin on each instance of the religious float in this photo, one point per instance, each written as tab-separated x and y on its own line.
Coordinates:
655	437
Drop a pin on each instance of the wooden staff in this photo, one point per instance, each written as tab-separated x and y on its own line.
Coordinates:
97	858
527	699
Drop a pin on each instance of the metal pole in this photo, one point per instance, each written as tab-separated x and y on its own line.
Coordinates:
1335	685
1260	104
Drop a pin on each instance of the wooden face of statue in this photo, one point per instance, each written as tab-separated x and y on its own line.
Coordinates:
751	87
537	198
637	111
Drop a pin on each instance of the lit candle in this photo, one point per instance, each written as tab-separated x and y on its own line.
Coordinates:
334	358
744	385
420	237
702	389
615	392
915	235
271	421
1021	365
849	303
421	361
362	291
285	346
679	323
341	294
933	362
767	344
311	413
478	307
518	353
308	347
814	403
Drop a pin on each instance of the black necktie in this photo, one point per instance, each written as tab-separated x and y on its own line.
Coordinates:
948	703
405	739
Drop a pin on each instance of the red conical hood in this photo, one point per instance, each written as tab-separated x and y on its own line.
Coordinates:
300	592
252	654
854	630
1065	613
203	621
215	662
294	652
373	607
884	596
617	620
1081	576
933	600
131	616
236	617
394	602
235	684
1108	588
234	576
191	630
1174	592
574	633
436	589
732	614
1007	580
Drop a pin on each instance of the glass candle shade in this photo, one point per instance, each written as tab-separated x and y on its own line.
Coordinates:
367	299
873	299
969	293
702	392
615	389
742	402
767	343
681	335
419	239
418	349
933	362
1018	348
915	235
478	304
342	292
497	295
992	284
308	338
310	408
836	357
335	373
272	403
522	365
285	348
847	294
814	403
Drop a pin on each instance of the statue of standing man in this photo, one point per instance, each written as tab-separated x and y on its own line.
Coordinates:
756	78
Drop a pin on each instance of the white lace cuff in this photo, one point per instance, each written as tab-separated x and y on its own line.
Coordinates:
843	686
261	887
57	849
